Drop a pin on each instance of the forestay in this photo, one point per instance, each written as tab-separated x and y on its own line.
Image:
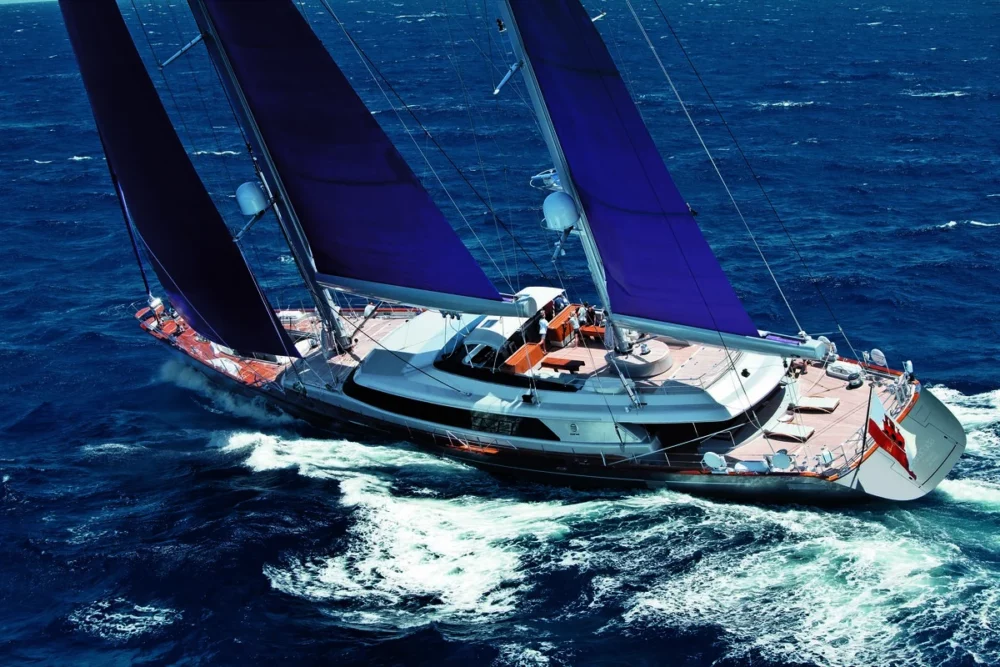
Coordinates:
192	252
372	227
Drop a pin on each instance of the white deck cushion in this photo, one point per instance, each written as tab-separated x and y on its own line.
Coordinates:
816	403
792	431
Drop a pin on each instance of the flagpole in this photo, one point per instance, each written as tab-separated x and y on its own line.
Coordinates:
864	430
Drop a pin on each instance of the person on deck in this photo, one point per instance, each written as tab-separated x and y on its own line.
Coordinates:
543	329
591	315
581	313
560	303
574	322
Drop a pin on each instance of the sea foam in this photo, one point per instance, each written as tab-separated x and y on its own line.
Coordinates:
119	620
186	377
844	587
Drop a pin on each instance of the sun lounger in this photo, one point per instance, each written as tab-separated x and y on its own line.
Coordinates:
791	431
816	404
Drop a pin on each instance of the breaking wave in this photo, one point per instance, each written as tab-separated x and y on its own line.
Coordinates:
941	93
414	558
951	224
843	587
979	414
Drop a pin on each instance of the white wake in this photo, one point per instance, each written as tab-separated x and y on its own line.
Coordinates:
869	585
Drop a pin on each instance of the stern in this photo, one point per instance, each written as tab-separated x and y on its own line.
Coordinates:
939	442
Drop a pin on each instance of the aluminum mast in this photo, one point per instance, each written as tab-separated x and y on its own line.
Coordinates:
287	219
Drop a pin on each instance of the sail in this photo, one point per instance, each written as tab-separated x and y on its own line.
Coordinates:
193	254
371	226
657	265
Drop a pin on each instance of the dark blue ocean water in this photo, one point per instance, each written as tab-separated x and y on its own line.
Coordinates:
146	517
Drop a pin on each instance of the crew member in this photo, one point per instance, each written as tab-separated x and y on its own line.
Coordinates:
574	322
560	303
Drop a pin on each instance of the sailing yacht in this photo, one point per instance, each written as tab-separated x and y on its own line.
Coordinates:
665	383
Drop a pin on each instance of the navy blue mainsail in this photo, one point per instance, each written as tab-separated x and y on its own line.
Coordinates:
368	220
192	252
657	263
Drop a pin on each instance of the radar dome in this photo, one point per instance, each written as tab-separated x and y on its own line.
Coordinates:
250	198
560	212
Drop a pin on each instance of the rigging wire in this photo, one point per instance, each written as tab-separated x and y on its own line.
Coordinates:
453	59
218	142
378	83
749	411
711	159
372	67
159	67
756	178
132	233
181	117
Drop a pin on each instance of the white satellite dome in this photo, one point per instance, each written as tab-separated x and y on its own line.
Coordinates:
250	198
713	461
560	212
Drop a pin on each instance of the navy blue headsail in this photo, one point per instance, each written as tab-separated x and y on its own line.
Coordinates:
657	263
192	252
371	225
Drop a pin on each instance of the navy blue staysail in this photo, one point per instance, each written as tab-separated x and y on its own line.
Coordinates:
202	270
657	263
368	220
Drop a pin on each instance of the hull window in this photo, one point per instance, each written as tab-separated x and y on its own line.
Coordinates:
485	422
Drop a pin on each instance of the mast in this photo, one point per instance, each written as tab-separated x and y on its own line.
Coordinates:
594	263
165	204
275	190
649	260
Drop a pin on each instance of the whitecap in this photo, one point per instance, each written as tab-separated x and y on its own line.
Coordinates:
786	104
216	153
110	448
428	15
80	158
942	93
519	655
119	620
42	161
951	224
